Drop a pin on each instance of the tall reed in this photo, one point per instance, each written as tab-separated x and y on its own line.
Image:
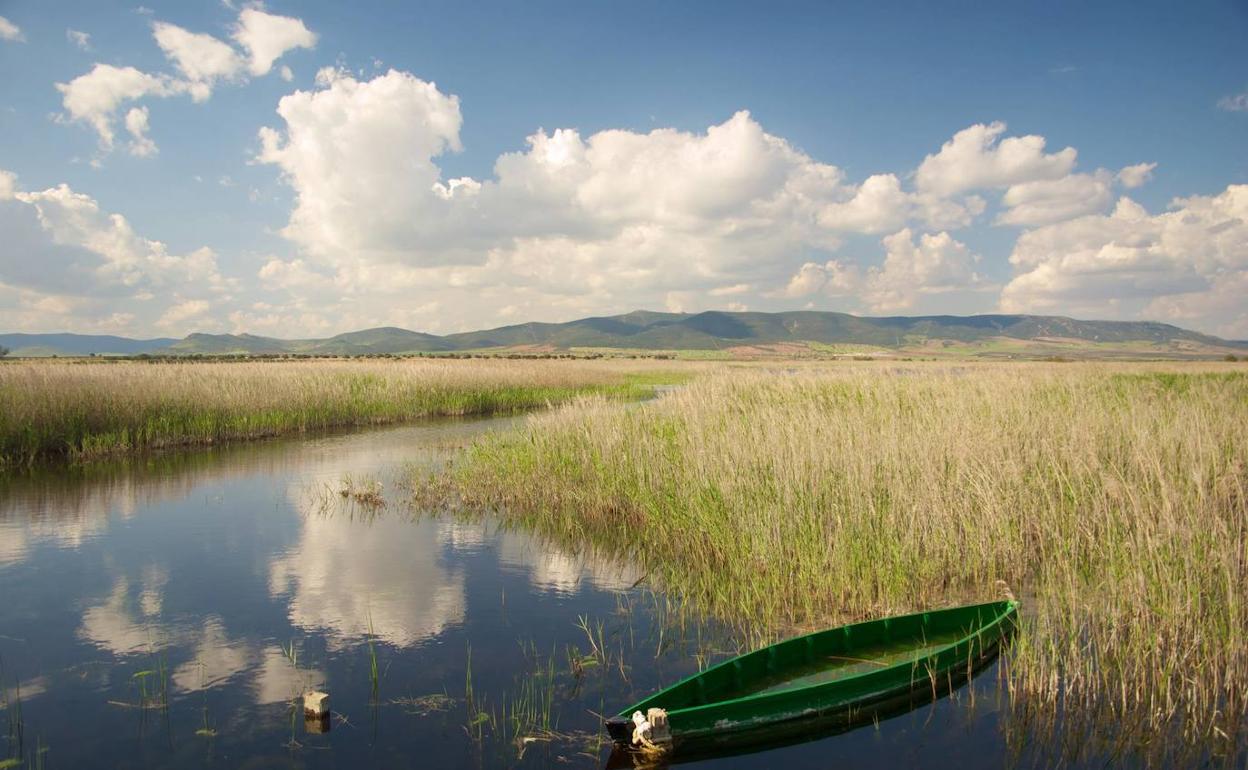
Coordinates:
83	410
1114	499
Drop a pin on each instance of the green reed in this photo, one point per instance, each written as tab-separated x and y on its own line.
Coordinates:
1113	499
83	411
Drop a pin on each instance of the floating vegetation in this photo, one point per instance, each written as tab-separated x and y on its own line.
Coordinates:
425	705
1115	499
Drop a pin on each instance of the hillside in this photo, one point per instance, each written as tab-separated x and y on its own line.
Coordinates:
739	334
79	344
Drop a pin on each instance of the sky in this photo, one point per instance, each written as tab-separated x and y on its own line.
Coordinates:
304	169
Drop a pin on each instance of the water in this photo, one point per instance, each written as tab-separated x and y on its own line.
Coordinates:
204	568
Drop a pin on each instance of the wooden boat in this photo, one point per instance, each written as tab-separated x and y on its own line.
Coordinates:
838	671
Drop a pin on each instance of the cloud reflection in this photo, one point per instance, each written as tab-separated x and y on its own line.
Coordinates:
347	578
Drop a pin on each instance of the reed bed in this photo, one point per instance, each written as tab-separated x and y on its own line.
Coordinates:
1114	501
85	410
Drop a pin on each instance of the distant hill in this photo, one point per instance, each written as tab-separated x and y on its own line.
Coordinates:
736	334
79	344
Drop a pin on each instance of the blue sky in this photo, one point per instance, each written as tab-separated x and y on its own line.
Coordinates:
883	158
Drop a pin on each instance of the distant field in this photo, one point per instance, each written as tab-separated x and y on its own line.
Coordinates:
85	409
1113	498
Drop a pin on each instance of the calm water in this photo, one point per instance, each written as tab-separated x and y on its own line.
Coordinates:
209	565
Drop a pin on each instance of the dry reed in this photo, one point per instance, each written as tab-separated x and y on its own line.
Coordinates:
1115	499
82	410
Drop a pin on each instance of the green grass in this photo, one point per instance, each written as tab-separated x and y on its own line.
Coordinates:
1113	499
86	410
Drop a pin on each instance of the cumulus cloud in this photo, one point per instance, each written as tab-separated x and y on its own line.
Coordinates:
574	224
85	268
1138	175
934	264
834	278
10	31
977	157
878	205
94	98
183	311
1046	201
1182	264
267	37
570	222
202	59
136	123
360	158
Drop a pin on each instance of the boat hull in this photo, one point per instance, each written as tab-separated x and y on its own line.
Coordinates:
709	706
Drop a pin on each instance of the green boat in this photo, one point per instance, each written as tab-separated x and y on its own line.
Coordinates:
844	671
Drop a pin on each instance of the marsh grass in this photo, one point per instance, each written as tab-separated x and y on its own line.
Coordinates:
365	491
1114	499
84	410
527	714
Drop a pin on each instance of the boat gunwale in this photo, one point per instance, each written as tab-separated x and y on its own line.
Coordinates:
1010	608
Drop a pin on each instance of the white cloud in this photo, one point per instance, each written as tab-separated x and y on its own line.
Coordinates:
936	264
136	123
360	158
878	205
977	158
93	98
571	224
1220	307
287	73
1046	201
575	225
568	225
1182	264
85	268
1138	175
80	39
834	278
267	37
202	59
178	314
10	31
1234	103
730	291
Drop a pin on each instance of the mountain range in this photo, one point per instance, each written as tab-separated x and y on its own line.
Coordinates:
733	334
